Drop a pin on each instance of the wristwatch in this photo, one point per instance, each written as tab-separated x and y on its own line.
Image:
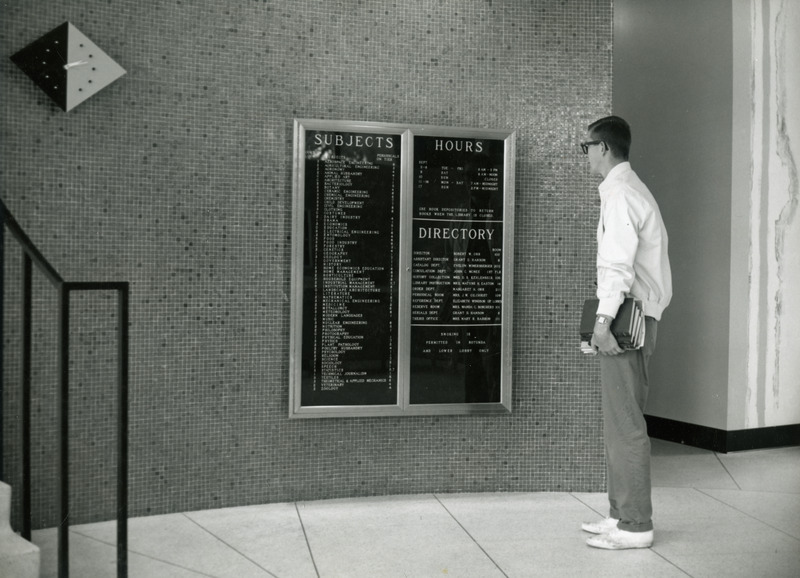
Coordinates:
603	320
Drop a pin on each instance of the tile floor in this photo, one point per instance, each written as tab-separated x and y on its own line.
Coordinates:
716	515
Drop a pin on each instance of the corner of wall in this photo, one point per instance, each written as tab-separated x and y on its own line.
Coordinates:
741	246
764	382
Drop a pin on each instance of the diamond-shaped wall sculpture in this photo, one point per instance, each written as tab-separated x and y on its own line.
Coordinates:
67	65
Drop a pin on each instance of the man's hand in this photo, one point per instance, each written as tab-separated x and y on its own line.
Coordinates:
603	340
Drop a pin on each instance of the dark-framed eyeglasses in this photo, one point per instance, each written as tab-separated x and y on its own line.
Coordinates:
585	145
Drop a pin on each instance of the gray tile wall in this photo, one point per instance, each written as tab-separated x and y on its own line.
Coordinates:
177	178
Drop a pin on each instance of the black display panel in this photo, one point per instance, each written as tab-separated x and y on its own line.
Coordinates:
351	261
457	270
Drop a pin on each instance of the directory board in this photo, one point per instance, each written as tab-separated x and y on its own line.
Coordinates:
401	270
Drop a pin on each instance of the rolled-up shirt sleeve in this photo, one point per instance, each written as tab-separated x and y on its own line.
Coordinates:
617	242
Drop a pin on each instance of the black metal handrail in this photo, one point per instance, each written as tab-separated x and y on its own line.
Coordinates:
31	256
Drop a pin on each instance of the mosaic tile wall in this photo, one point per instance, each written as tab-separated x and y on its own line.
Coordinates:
177	178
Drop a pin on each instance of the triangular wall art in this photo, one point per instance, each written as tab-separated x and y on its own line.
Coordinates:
67	66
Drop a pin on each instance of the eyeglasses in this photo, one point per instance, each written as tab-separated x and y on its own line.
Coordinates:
585	145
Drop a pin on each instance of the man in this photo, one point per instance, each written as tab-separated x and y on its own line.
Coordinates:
631	261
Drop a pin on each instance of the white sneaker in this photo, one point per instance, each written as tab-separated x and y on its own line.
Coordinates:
621	540
604	526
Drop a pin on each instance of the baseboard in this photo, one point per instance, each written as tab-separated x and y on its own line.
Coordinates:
722	441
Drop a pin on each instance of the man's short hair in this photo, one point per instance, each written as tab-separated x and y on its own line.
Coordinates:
615	132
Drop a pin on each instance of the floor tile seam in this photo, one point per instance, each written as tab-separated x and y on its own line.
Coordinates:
585	504
746	491
654	550
305	536
690	487
727	471
795	538
471	537
230	546
142	554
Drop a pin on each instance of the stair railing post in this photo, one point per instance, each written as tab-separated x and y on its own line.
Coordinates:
63	429
122	435
27	340
2	328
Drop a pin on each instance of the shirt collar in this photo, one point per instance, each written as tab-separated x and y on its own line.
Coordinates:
613	175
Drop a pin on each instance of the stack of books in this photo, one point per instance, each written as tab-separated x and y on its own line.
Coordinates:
627	327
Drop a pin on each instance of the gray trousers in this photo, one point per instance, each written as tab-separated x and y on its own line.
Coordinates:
624	383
